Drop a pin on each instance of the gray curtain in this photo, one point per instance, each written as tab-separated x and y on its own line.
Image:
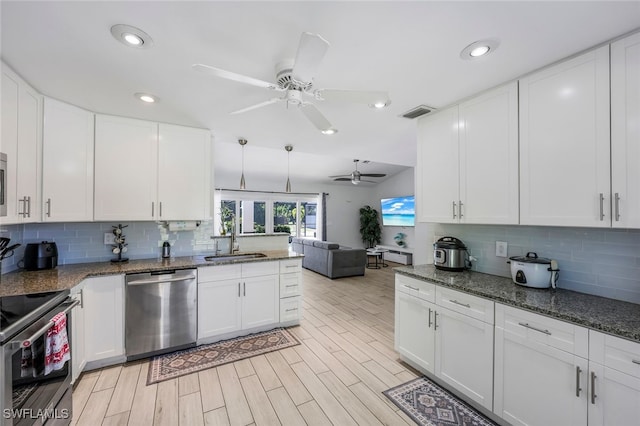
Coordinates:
323	237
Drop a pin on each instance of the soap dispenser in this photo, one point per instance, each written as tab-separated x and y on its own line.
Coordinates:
166	250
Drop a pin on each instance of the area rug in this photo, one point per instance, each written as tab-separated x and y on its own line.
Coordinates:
430	405
180	363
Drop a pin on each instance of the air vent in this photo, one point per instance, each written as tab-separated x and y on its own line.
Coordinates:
418	111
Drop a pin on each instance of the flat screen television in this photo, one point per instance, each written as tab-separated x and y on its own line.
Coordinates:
398	211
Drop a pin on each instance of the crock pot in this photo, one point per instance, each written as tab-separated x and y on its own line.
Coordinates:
533	271
450	254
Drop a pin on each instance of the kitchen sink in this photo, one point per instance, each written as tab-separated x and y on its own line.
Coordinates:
240	256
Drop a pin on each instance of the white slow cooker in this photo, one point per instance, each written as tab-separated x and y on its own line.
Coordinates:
534	271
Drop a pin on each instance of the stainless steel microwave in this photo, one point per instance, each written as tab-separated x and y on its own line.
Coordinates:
3	184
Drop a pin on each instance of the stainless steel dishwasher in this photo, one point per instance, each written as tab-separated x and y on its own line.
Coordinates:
160	312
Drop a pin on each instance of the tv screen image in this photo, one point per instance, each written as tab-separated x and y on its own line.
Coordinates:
398	211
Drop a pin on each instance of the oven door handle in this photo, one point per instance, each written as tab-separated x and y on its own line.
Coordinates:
29	341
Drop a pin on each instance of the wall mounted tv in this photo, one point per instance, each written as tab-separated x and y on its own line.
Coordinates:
398	211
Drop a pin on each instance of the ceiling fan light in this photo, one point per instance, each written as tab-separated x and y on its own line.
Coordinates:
329	131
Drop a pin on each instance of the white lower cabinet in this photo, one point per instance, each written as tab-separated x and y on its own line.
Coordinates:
449	342
237	297
541	369
103	299
614	381
290	291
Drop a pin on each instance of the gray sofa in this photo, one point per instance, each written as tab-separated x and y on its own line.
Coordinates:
330	259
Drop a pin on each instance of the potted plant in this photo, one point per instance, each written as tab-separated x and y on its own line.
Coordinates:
370	226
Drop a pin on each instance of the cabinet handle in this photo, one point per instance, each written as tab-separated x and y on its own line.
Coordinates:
466	305
292	309
601	206
28	206
635	361
617	207
454	209
429	317
524	324
244	289
460	208
48	203
435	320
291	285
238	289
578	388
593	388
153	211
23	213
412	288
160	208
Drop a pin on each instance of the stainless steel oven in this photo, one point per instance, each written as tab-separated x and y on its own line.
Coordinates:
31	394
3	184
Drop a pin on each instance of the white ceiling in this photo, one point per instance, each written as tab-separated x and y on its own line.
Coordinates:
410	49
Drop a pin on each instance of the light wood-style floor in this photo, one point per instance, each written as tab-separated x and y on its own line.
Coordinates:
335	376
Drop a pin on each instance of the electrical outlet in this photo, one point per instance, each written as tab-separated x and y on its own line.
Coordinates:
501	248
109	238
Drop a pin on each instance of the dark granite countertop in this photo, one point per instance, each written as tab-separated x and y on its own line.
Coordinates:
68	276
610	316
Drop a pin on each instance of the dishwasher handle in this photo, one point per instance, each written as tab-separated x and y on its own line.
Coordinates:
160	280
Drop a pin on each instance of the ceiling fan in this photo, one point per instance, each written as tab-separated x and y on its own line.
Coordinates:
355	176
295	79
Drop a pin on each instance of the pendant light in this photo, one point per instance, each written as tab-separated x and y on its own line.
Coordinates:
242	143
288	148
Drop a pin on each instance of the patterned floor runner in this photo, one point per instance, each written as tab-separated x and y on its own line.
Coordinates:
430	405
180	363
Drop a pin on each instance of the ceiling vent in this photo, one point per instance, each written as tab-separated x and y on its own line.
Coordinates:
418	111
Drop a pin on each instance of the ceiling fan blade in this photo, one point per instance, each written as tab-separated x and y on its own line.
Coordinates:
341	176
260	105
315	116
343	179
355	96
368	181
373	174
311	50
234	76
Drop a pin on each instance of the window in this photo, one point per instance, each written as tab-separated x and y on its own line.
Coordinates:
265	212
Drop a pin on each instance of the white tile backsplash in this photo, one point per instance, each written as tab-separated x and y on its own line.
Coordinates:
604	262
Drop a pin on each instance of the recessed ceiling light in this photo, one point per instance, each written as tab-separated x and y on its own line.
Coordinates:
479	49
381	104
145	97
131	36
329	131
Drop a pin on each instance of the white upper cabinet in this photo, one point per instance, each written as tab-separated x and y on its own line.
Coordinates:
21	141
184	173
437	167
67	169
151	171
126	169
468	161
625	132
564	143
488	138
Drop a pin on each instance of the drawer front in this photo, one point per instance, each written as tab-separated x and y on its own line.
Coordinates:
291	309
290	266
614	352
257	269
549	331
421	289
219	273
290	285
466	304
